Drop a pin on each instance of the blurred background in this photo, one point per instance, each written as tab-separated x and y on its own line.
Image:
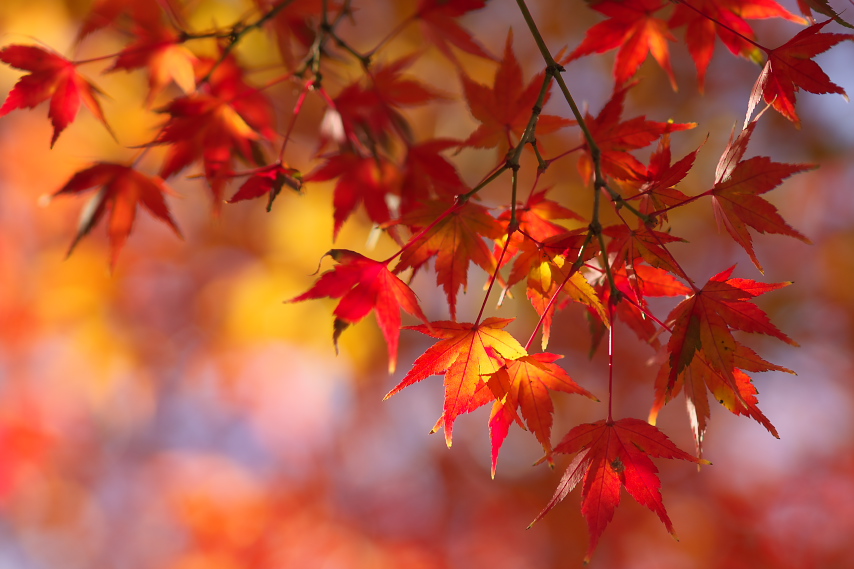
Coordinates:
176	413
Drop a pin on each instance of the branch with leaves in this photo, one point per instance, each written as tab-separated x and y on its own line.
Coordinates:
220	118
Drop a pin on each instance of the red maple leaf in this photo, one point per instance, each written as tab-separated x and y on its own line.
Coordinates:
737	393
703	19
159	49
428	175
632	27
790	67
465	354
656	189
148	14
122	188
703	324
456	240
616	139
611	455
524	384
505	109
268	180
51	77
363	285
438	21
370	111
738	185
361	179
631	244
219	122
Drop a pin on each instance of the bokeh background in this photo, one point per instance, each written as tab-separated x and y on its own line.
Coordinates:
175	413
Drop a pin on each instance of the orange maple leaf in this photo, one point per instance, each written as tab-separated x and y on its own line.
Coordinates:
51	77
363	285
122	188
610	455
465	354
456	241
524	384
632	27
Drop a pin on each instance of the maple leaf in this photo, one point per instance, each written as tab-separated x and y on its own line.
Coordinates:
465	354
122	188
727	19
790	67
51	77
737	393
505	109
427	174
738	185
703	324
438	21
631	26
363	285
611	455
456	240
268	180
656	188
159	48
104	13
224	120
361	179
617	138
822	7
524	384
631	244
370	112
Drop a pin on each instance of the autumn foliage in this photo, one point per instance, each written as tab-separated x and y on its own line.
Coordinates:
322	110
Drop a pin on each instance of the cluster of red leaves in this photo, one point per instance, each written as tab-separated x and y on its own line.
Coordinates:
410	187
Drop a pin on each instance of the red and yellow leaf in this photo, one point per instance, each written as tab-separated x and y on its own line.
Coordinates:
703	324
465	354
523	384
